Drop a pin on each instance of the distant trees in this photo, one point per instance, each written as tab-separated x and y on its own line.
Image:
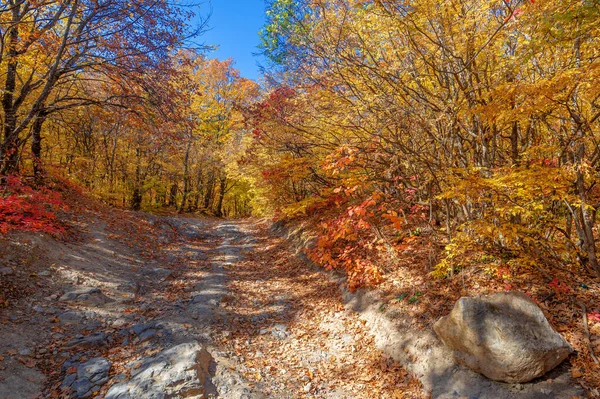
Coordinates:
61	54
176	147
104	91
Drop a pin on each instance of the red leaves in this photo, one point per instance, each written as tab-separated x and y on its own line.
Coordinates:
24	208
559	287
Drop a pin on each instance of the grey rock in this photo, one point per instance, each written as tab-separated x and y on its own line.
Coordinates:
162	274
93	369
82	388
45	273
96	340
48	310
69	380
71	317
181	371
6	271
141	328
88	379
146	335
25	352
504	336
87	295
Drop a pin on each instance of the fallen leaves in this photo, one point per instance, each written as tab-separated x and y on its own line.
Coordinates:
324	349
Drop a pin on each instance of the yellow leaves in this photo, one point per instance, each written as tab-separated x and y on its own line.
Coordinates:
518	207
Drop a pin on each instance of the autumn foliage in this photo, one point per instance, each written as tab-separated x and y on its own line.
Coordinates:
25	208
473	123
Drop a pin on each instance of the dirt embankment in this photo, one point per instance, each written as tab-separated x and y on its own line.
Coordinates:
402	334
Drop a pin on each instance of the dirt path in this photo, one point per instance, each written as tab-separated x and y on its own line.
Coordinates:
151	307
154	307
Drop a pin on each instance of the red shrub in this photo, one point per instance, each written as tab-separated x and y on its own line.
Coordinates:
25	208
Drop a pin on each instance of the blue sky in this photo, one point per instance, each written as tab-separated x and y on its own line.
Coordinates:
234	26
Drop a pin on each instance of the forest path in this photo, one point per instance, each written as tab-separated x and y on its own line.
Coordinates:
144	306
140	306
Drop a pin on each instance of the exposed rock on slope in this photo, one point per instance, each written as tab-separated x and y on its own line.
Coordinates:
504	336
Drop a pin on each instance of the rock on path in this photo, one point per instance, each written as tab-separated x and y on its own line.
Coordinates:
88	378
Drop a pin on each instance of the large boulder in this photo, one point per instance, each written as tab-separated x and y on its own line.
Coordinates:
504	336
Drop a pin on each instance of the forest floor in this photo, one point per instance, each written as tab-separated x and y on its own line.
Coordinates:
96	312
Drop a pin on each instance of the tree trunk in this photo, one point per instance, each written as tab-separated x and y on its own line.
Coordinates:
9	148
136	199
222	187
209	195
173	195
36	148
136	196
186	177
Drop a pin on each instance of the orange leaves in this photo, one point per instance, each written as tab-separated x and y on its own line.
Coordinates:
392	216
344	244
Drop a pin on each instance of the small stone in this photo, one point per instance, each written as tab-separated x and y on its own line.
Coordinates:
90	341
69	380
137	329
25	352
213	302
43	351
162	274
279	331
308	387
146	335
6	271
93	369
119	323
45	273
88	295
